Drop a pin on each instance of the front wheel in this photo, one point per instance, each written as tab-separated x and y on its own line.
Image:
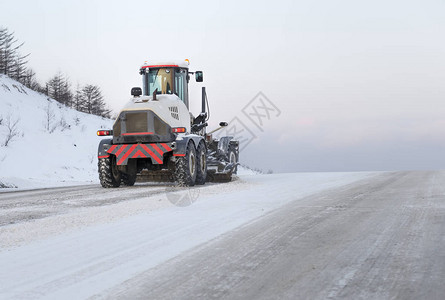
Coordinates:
109	175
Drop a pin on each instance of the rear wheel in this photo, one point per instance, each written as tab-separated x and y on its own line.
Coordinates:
232	157
186	167
201	163
109	175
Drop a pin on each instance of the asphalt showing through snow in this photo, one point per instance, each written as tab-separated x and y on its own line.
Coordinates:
23	206
380	238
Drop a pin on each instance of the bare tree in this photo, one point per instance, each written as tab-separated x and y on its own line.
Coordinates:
54	86
11	62
93	101
11	130
77	98
6	50
58	88
66	96
18	70
30	81
49	117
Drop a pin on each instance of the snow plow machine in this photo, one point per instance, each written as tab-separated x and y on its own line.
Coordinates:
156	138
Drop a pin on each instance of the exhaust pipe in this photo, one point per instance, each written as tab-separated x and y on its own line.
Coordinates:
203	107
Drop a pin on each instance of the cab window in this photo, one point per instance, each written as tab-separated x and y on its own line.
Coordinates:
160	79
180	84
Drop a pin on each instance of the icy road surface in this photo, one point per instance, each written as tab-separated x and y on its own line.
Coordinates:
294	236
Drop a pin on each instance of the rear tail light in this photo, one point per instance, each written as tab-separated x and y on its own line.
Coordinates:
104	132
178	130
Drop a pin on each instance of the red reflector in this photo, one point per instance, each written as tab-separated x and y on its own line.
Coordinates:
104	132
178	130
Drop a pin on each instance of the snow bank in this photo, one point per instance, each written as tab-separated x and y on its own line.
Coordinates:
245	170
53	145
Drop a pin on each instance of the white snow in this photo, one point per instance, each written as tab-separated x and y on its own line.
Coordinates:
242	170
86	252
66	154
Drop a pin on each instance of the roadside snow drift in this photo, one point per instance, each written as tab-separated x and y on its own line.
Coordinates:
49	144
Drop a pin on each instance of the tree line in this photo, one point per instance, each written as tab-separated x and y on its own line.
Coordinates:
87	98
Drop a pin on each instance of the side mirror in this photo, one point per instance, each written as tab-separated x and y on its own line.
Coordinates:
136	91
199	76
223	124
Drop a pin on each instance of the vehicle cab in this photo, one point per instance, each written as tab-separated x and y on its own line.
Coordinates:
166	78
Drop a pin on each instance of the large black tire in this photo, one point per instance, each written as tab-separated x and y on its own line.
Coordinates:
128	179
109	175
186	167
232	157
201	162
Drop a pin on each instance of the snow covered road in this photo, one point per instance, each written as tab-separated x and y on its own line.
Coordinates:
313	235
381	238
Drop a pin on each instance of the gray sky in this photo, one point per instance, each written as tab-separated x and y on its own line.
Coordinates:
359	85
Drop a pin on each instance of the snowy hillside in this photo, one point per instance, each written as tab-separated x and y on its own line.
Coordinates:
47	144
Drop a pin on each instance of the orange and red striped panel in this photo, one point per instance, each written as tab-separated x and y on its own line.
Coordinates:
153	151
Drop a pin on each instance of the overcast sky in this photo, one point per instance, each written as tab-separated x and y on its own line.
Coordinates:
349	85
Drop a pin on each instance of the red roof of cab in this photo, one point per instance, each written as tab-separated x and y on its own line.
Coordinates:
160	66
167	64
